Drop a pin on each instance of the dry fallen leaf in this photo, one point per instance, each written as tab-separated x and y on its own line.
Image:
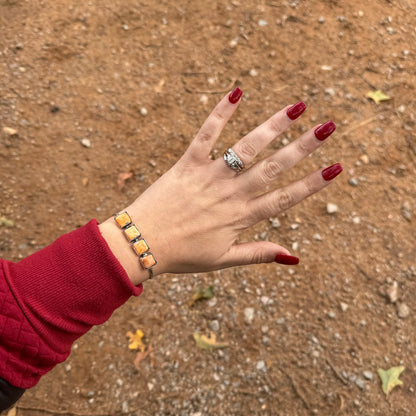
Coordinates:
135	340
202	293
390	378
206	343
122	177
6	223
377	96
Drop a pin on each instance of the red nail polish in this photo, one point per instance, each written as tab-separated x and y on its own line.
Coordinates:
285	259
235	95
296	110
331	172
324	131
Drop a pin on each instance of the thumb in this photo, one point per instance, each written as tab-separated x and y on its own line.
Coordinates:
258	252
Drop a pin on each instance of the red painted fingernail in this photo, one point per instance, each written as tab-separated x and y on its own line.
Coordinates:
235	95
331	172
296	110
324	131
285	259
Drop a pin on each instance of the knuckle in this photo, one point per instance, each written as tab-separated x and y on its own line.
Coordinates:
218	115
271	170
311	186
275	124
257	257
284	200
247	150
302	147
205	135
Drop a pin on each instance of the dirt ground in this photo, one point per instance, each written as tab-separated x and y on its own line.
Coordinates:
98	88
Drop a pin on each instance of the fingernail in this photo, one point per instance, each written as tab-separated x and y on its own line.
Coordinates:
331	172
296	110
235	95
324	131
285	259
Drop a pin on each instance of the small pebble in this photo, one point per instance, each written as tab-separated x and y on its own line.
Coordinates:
214	325
403	311
331	208
253	72
344	306
317	237
261	366
143	111
9	131
262	22
248	315
330	91
356	220
368	375
274	222
353	182
86	143
332	314
393	292
365	159
295	245
360	383
321	20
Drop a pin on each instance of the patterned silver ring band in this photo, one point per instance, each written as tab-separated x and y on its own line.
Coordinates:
233	161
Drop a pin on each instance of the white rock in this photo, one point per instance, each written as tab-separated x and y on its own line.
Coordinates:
86	143
9	131
262	22
368	375
403	311
331	208
330	91
248	315
344	306
214	325
317	237
274	222
143	111
253	72
393	292
261	366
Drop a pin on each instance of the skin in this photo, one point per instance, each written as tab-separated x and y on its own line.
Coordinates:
192	216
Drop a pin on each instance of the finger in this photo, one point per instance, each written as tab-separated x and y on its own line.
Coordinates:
266	171
258	252
201	146
255	141
274	202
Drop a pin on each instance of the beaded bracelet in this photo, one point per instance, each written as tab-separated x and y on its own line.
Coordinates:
138	244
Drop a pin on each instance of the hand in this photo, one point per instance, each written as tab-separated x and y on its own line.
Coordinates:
192	216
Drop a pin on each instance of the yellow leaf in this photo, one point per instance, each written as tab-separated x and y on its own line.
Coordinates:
135	340
377	96
206	343
390	378
5	222
202	293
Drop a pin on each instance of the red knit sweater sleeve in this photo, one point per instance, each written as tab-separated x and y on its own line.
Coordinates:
54	296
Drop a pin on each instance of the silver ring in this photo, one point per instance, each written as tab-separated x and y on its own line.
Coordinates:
233	161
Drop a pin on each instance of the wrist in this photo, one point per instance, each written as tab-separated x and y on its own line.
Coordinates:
123	251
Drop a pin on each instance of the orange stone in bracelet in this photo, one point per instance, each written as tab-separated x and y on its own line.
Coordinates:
123	219
140	247
132	233
147	261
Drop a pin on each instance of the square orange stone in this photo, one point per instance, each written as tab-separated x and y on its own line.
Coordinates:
147	260
140	247
132	233
123	219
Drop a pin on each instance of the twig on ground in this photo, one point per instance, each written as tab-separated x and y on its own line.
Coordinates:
297	391
336	372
